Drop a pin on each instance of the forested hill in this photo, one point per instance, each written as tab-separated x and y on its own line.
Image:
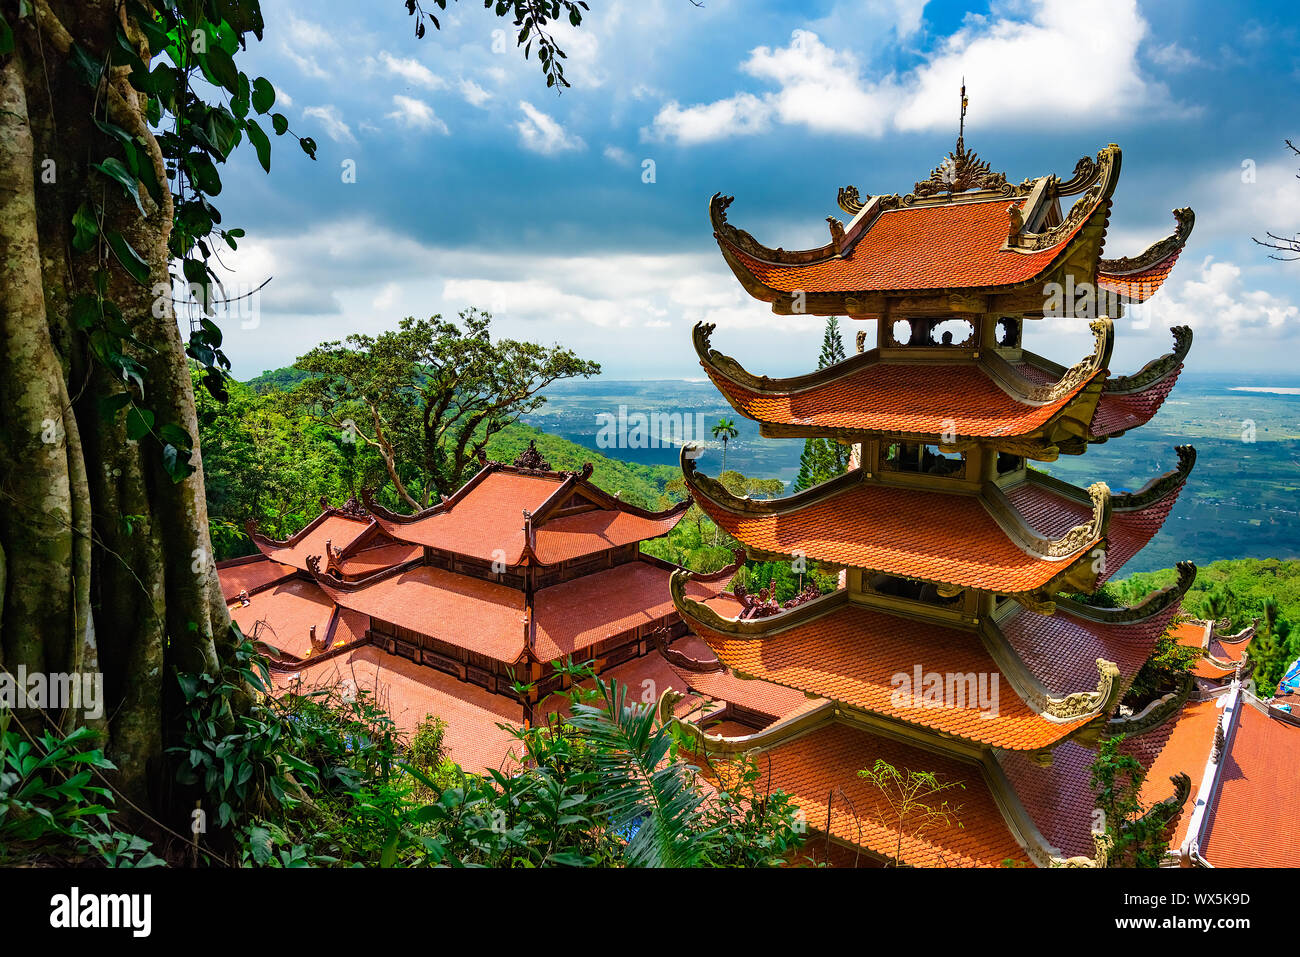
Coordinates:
1240	590
266	462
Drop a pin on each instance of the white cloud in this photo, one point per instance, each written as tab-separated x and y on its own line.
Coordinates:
1171	56
302	41
1219	304
336	278
617	155
541	134
332	120
738	115
416	115
827	89
412	71
282	98
474	94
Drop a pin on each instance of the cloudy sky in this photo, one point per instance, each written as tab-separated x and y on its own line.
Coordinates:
582	218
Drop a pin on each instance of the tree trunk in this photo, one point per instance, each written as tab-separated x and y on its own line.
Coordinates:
105	561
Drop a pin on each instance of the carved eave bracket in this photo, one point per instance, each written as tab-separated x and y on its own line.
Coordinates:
747	244
1082	704
1155	371
1089	367
1095	195
1156	603
1157	252
1161	486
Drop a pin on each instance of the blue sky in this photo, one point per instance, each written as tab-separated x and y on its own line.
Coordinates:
475	185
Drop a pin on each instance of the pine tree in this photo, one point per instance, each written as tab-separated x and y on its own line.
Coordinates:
823	459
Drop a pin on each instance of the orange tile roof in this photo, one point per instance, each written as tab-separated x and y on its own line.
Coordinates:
766	697
1254	819
487	523
572	536
1062	650
824	764
286	612
1190	740
1053	514
855	655
948	246
240	574
1060	799
1138	286
959	398
1196	634
574	615
409	692
1115	412
370	560
483	617
934	536
339	530
646	678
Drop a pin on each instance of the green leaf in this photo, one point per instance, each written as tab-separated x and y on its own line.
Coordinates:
114	168
260	143
263	94
139	422
85	228
131	260
6	37
279	123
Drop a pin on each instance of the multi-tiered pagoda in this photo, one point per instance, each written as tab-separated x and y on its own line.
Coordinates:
952	646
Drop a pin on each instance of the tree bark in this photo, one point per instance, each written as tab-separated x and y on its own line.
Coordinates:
105	562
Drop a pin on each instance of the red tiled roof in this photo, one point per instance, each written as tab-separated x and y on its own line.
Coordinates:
950	246
339	530
854	655
1062	650
900	398
1138	286
1119	413
1254	819
1060	799
483	617
825	762
370	560
646	678
1115	412
409	692
1187	748
574	615
766	697
934	536
288	611
239	575
572	536
1053	514
487	523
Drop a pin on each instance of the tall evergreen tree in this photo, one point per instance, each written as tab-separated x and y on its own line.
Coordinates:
823	459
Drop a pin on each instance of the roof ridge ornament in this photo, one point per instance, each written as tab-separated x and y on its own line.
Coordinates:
531	459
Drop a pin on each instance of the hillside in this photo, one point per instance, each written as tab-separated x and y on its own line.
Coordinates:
1239	590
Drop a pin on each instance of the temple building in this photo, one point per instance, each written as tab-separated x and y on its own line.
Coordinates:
444	611
961	642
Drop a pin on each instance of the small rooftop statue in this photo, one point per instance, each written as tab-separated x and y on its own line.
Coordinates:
531	459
